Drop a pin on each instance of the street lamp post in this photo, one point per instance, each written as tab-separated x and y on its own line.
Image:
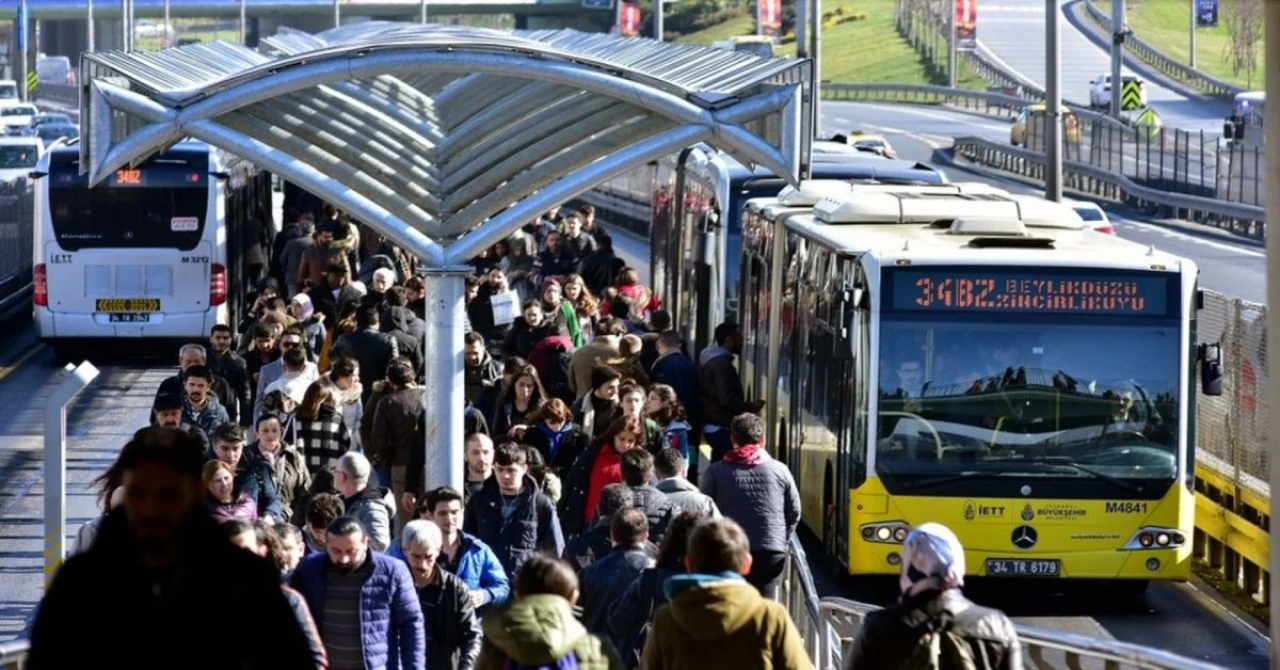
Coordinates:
1117	54
1053	98
1271	129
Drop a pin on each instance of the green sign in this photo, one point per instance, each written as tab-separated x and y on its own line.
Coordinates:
1131	95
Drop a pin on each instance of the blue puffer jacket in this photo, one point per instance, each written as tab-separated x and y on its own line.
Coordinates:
391	621
477	566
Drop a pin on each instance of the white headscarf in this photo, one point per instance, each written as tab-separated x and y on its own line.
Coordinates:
935	552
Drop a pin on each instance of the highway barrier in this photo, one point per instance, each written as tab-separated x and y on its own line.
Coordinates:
1179	72
829	625
1164	158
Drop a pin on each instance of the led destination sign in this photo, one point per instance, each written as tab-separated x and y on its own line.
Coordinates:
1002	290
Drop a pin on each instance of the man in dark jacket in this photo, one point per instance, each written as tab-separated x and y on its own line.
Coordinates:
370	347
720	394
404	326
335	293
363	602
483	373
253	475
758	492
193	355
224	362
200	407
595	543
511	514
602	583
673	368
600	269
162	564
452	629
637	472
932	574
395	434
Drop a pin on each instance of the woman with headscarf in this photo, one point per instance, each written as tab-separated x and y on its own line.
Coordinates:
312	322
935	625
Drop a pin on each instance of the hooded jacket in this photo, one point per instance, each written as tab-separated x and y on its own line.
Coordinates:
889	635
374	507
540	630
721	621
217	582
408	331
532	527
720	394
482	380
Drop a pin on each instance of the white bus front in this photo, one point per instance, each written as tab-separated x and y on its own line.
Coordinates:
138	256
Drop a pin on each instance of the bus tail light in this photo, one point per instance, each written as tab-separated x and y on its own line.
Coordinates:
892	532
40	288
1150	537
217	285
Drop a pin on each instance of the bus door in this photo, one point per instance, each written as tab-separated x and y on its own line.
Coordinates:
132	249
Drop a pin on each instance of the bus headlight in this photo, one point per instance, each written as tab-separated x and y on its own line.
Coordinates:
1151	537
889	532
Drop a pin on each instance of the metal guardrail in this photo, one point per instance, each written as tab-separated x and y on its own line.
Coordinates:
1152	56
987	102
1098	181
828	625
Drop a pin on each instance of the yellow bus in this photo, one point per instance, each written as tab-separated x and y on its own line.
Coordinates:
983	362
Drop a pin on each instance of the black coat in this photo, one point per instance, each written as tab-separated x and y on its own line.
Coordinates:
604	582
217	583
600	270
531	528
232	367
889	635
473	422
453	631
372	350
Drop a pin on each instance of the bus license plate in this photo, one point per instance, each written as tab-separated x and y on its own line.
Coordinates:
1023	567
128	305
128	318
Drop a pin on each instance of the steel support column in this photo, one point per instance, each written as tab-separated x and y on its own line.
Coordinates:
1117	53
445	291
1053	100
1272	131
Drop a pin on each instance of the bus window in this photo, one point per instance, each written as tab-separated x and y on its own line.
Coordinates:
151	217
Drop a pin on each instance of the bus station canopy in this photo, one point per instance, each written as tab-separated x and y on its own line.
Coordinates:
445	139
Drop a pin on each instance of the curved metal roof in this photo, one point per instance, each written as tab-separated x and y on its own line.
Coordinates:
444	138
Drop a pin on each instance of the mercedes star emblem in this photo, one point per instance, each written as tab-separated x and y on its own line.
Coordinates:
1024	537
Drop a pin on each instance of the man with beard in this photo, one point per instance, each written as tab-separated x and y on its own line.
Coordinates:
364	603
166	411
317	258
200	407
170	576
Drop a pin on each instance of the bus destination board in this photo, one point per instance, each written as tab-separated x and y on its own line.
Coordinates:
1018	291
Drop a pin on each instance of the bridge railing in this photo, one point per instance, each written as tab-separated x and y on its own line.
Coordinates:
829	625
1152	56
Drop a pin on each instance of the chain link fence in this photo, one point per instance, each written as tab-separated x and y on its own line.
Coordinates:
17	216
1232	428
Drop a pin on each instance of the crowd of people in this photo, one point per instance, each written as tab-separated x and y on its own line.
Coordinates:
278	495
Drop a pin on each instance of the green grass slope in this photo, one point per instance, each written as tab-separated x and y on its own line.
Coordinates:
1166	25
864	50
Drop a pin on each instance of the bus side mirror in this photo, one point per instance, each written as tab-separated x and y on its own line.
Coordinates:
37	175
1210	356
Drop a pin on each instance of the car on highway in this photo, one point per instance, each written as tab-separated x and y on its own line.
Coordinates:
49	118
875	144
18	157
1100	90
1030	121
1093	215
52	132
8	92
17	118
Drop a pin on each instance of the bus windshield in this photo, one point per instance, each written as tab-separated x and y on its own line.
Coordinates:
1026	395
18	156
122	217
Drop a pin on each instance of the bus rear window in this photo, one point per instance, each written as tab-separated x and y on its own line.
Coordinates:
130	218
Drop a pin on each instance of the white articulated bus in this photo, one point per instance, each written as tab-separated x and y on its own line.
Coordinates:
156	251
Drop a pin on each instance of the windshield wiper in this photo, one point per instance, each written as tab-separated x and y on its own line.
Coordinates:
1057	460
947	479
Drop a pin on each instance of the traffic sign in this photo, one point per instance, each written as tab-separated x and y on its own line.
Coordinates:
1207	13
22	26
33	82
1131	95
1148	123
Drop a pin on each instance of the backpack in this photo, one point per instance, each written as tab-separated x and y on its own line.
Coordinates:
940	647
568	662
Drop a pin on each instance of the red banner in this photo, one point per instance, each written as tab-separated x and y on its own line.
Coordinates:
769	17
966	24
628	19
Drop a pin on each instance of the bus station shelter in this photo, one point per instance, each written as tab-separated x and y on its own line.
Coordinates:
444	139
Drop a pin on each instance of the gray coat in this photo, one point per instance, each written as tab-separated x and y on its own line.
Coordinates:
761	497
686	497
374	508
